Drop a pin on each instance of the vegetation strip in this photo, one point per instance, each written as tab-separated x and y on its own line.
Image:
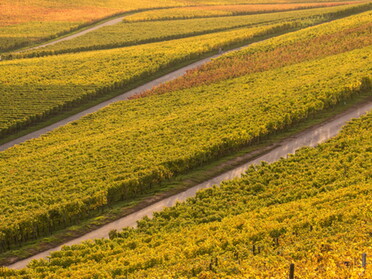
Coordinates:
23	23
129	148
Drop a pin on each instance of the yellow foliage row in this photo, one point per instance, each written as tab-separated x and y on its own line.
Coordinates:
32	90
22	11
133	33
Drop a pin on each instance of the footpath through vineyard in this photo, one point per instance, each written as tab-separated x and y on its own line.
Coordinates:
110	22
310	137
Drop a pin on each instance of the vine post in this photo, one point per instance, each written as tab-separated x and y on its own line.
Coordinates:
291	271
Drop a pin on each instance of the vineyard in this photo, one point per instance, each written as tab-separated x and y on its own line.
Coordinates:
309	209
126	34
127	148
291	65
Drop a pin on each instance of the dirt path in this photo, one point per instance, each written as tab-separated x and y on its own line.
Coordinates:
78	34
310	137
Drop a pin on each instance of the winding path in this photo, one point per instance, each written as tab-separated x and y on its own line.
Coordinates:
310	137
114	21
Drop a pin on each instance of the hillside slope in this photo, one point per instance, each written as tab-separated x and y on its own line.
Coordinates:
312	209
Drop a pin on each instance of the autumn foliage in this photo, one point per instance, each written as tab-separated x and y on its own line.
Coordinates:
316	42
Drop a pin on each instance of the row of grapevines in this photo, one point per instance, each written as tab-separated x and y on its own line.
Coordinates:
312	209
125	34
310	43
224	10
33	89
127	148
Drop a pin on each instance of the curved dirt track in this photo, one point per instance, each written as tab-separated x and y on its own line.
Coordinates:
78	34
122	97
310	137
